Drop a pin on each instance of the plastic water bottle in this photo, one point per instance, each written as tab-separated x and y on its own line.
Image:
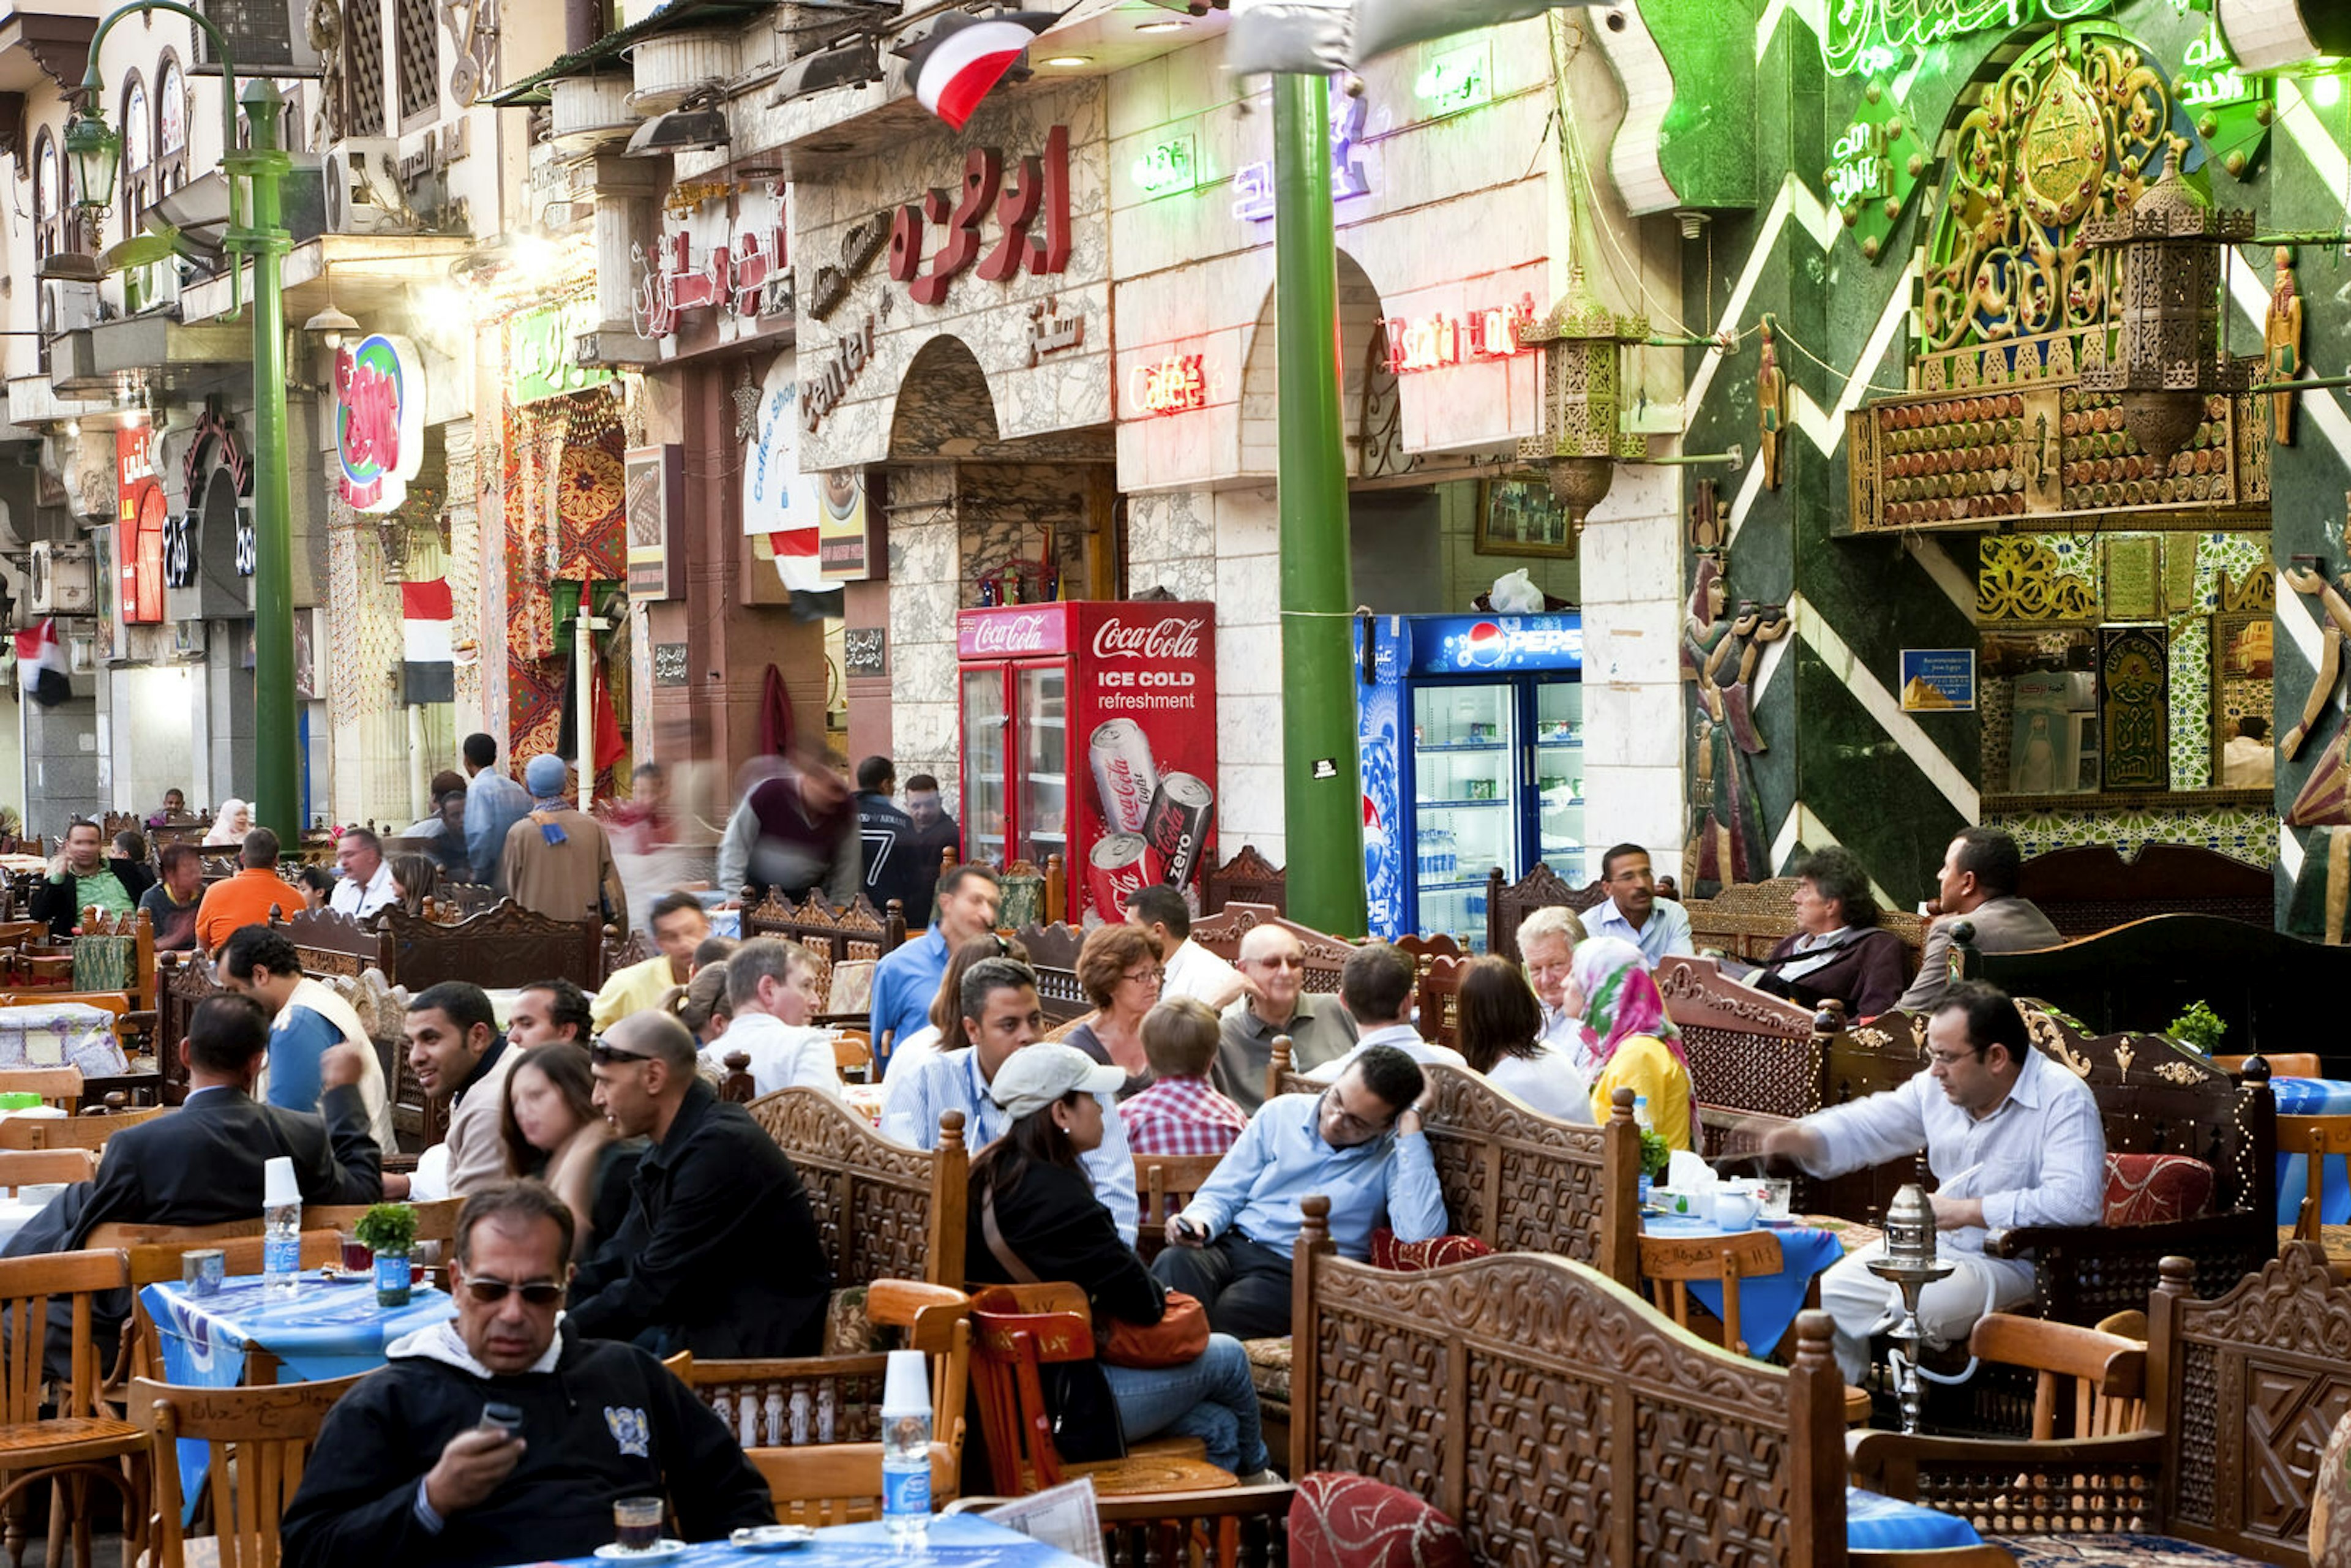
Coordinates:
281	1229
906	1450
1641	1120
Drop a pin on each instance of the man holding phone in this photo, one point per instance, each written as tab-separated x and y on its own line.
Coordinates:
500	1437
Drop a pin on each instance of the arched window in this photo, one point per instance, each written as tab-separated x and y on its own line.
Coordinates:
171	126
48	190
138	177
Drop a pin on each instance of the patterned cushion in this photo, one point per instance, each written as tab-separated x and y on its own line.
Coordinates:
847	1330
852	987
2330	1502
2137	1551
1269	1361
1410	1257
2150	1189
1352	1522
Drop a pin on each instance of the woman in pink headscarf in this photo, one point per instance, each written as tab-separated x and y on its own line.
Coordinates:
1627	1040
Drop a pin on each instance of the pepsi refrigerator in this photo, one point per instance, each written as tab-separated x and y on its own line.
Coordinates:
1472	729
1089	731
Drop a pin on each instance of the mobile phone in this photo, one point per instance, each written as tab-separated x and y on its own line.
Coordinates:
499	1417
1195	1232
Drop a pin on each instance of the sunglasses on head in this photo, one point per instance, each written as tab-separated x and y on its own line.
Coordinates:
536	1293
607	1054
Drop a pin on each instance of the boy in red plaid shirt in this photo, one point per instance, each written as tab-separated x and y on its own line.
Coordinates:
1181	1113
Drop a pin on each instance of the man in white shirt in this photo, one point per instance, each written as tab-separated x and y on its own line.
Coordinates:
2013	1139
771	985
1376	987
1192	969
366	885
2248	761
1632	910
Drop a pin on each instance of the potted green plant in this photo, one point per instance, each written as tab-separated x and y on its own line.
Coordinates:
1656	1156
2198	1029
389	1230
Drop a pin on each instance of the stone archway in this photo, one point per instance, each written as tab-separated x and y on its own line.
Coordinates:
1360	317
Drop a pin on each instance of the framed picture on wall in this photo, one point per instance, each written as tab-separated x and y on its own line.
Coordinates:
2241	689
1521	517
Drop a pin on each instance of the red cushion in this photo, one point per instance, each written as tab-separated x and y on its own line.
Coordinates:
2148	1189
1352	1522
1410	1257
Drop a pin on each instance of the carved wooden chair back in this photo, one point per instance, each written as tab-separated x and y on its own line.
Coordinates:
2102	1376
87	1133
28	1168
1053	954
1752	1055
833	936
1432	1382
1165	1184
1669	1264
1438	992
883	1210
496	948
1508	904
330	943
1325	955
184	981
57	1086
2088	888
260	1439
2319	1139
1246	878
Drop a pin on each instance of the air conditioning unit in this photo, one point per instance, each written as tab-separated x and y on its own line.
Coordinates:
68	305
362	187
265	37
60	581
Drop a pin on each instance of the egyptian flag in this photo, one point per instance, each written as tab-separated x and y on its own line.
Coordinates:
954	67
41	665
427	674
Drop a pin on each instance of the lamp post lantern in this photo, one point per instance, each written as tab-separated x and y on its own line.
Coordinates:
253	231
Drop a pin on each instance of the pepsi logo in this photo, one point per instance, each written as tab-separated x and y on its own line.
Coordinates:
1484	645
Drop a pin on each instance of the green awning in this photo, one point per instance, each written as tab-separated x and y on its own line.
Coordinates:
532	91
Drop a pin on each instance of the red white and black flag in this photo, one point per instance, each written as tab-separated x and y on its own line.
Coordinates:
41	665
963	56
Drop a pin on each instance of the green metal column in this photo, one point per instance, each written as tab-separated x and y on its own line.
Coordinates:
1321	789
276	793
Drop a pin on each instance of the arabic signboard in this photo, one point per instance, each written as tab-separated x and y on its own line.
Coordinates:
379	422
539	349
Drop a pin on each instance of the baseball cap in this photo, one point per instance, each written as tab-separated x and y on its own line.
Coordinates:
1037	1075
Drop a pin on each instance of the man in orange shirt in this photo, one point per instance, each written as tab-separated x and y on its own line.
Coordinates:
247	898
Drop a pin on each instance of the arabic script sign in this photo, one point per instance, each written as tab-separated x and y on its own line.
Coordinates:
379	422
539	348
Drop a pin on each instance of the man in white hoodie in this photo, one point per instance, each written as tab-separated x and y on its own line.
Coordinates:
306	1020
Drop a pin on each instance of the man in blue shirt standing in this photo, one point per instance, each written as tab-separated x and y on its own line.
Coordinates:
493	803
907	978
1359	1143
1633	909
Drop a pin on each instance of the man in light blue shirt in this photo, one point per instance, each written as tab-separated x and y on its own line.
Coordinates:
1359	1144
1633	910
1000	1015
493	803
906	980
2013	1139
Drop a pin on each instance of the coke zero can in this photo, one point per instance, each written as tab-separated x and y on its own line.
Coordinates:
1124	775
1120	864
1177	827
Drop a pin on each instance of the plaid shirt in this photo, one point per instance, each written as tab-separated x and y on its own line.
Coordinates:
1181	1116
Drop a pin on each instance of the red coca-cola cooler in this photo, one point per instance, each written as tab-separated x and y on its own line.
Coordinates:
1090	732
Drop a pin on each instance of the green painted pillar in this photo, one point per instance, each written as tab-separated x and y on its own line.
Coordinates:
1322	790
276	792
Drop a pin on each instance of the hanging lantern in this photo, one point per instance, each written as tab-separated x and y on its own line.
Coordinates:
1582	400
2171	239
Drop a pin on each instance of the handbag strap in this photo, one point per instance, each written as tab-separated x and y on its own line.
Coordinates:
1020	1273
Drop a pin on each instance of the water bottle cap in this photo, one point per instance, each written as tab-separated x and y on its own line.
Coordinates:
906	1389
278	1184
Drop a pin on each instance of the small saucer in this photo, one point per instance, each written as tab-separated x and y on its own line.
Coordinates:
664	1547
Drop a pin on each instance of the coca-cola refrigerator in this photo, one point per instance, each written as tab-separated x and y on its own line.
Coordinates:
1090	732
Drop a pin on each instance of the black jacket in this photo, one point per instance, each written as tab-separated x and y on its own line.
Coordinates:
719	1254
609	1422
61	903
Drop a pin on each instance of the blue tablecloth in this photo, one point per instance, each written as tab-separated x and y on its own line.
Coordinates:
1767	1303
955	1539
1874	1523
2312	1097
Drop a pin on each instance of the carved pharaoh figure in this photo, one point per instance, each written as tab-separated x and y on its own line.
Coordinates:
2281	335
1770	406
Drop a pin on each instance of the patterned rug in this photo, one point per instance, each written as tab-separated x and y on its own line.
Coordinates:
2138	1550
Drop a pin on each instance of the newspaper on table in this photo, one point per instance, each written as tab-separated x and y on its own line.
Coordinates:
62	1034
1062	1516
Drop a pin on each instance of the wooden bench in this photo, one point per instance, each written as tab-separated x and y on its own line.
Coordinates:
1752	1056
506	945
1221	933
884	1211
1053	953
852	934
2089	888
1748	919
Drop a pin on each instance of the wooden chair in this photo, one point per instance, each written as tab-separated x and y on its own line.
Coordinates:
852	1049
71	1131
38	1169
1246	878
1671	1262
2282	1063
260	1439
2318	1138
1022	1328
882	1211
58	1086
82	1440
2105	1373
436	1221
1165	1182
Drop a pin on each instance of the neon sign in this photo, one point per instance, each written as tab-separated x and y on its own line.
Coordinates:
1169	168
1872	36
1440	341
379	422
1456	80
1177	384
744	276
1859	172
1253	183
2232	111
1875	166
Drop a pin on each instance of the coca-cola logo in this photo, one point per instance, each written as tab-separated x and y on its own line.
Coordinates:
1009	634
1174	637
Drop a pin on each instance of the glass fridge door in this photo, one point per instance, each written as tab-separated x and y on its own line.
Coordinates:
1465	755
1044	815
1558	780
984	797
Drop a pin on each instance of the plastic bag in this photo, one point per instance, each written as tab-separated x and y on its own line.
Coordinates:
1515	593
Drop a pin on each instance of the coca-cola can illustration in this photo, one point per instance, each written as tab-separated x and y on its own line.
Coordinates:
1177	827
1119	864
1124	775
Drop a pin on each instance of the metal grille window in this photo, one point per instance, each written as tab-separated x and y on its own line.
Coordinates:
363	67
418	41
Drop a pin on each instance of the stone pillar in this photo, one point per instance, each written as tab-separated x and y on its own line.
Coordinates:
1632	707
925	592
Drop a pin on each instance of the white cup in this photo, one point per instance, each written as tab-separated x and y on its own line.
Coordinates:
1735	1207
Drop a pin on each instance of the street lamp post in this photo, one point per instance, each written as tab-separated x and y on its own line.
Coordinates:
254	230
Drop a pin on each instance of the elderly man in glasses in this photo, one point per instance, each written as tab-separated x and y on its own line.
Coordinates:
719	1254
504	1436
1273	963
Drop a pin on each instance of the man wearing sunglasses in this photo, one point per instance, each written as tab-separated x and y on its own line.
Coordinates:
719	1254
416	1466
1273	962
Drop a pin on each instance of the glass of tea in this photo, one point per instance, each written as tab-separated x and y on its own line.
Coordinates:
358	1257
636	1523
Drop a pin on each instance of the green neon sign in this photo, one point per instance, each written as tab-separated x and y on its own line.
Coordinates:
1456	79
2232	111
1875	35
1167	168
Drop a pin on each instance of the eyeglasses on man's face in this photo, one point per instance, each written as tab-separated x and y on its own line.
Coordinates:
534	1292
606	1055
